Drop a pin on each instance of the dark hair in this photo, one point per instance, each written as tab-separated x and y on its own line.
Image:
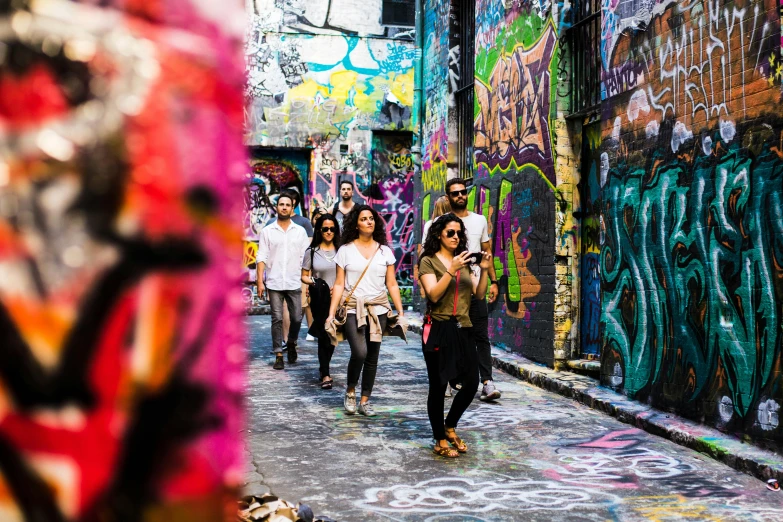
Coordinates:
346	182
289	195
316	213
455	181
318	236
294	195
351	225
432	241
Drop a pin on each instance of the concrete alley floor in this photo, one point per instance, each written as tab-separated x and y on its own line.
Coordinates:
534	455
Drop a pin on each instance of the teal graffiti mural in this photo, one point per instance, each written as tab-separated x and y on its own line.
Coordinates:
692	186
693	279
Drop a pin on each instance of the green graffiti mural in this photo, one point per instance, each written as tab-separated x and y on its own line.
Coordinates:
692	281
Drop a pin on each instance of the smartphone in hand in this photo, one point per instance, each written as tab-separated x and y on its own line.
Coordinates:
475	258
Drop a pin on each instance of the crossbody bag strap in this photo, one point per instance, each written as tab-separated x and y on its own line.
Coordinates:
361	276
456	294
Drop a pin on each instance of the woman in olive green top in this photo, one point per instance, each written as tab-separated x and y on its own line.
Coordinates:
446	276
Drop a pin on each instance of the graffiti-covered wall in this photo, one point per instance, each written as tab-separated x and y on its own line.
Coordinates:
435	85
519	182
516	184
328	77
122	346
692	188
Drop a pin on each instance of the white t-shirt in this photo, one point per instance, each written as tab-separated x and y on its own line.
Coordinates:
374	281
475	227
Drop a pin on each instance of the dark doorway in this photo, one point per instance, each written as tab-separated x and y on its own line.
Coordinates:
590	248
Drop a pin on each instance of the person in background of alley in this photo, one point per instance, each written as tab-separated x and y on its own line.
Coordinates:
319	272
449	349
303	222
346	203
280	249
476	229
364	246
315	215
442	207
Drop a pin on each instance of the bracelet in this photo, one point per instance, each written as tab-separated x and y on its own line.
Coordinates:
452	275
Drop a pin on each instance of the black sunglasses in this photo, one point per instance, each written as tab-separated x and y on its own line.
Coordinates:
328	229
451	232
463	192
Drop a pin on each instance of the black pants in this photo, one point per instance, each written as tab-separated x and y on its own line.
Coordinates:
325	353
364	354
479	316
436	398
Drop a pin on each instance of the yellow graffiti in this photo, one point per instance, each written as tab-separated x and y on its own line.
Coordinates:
434	178
672	507
250	249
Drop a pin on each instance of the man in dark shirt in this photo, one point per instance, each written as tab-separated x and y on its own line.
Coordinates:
300	220
346	203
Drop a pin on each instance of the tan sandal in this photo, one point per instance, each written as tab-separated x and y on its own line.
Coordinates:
456	441
445	451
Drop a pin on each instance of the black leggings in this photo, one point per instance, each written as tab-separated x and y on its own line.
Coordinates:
364	354
325	352
436	398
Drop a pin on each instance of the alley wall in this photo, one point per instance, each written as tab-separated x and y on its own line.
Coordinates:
692	195
331	97
519	184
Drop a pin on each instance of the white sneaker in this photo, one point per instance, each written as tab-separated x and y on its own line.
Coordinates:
309	338
489	392
349	402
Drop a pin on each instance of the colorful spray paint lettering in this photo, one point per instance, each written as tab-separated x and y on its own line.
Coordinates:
517	55
692	188
122	348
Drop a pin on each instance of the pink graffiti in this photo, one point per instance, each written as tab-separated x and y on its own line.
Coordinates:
614	440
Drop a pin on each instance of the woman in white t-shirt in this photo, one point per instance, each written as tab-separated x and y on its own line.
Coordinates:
364	246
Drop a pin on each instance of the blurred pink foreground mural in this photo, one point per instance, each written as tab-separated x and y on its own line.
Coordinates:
121	349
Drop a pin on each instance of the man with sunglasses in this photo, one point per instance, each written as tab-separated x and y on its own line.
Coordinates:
476	229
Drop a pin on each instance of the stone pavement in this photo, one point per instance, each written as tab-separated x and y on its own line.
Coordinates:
534	455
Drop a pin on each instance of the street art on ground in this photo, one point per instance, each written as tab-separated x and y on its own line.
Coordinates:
121	362
537	453
692	186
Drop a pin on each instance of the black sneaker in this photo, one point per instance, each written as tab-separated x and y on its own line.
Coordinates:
279	363
292	355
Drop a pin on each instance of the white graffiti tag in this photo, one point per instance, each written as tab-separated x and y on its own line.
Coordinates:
598	467
460	495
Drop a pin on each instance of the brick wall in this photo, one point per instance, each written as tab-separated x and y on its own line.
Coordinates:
692	195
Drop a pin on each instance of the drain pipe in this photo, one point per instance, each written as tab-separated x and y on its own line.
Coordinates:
416	152
418	91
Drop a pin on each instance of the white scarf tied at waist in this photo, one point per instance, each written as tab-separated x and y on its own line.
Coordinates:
365	315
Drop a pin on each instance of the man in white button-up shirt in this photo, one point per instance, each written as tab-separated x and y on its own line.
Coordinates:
281	246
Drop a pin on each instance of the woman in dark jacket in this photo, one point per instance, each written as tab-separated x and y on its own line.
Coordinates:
319	272
450	276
